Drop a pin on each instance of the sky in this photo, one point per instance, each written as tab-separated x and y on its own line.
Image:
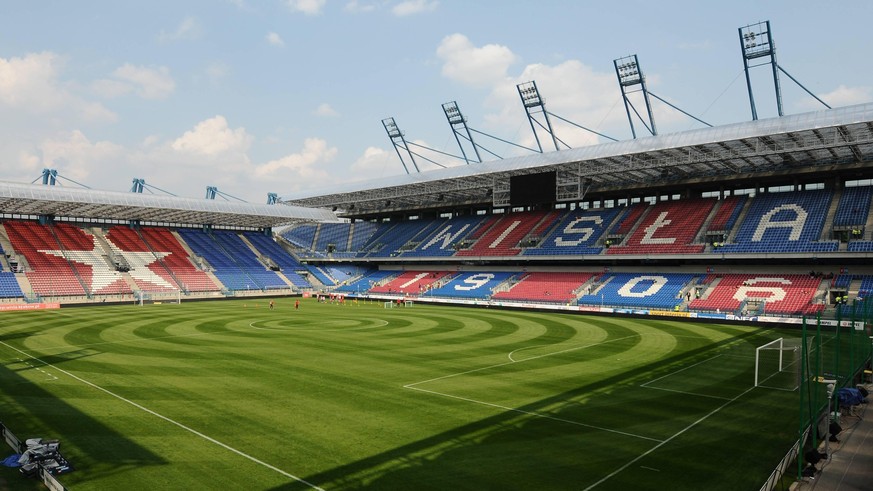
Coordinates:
288	96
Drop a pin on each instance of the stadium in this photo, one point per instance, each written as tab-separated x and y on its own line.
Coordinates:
668	312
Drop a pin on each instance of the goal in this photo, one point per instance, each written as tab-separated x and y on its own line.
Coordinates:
144	297
777	365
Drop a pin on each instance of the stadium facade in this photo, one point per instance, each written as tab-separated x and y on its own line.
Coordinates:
763	217
765	221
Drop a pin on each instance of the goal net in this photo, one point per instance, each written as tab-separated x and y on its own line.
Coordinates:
151	297
777	365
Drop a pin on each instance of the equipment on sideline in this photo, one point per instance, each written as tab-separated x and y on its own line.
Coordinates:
150	297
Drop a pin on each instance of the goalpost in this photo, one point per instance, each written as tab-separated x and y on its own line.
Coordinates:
777	365
144	297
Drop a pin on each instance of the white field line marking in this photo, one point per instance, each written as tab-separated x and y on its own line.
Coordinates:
686	393
668	440
48	375
168	420
563	351
650	468
678	371
532	413
522	349
408	386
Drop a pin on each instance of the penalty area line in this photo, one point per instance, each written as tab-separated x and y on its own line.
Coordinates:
531	413
168	420
668	440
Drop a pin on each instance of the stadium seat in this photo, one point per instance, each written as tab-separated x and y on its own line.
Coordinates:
545	287
783	222
636	290
669	227
781	294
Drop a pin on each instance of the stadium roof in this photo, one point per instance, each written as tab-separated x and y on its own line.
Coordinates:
35	199
822	141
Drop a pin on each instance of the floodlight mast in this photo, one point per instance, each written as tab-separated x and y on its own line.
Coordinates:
50	177
460	129
629	73
399	142
138	185
456	119
756	41
212	192
531	100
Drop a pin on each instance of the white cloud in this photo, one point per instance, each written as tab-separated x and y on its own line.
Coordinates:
324	110
274	39
354	6
210	153
32	84
148	83
307	165
188	29
477	67
308	7
213	137
841	96
412	7
373	163
240	4
150	141
216	71
110	89
94	112
72	154
572	90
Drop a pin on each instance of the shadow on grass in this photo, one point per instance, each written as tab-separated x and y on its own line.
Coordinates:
94	449
514	450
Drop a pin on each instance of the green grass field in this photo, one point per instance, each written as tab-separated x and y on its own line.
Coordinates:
232	395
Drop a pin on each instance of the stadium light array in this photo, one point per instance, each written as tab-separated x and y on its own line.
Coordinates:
530	95
757	40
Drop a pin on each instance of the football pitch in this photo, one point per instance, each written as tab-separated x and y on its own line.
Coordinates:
233	395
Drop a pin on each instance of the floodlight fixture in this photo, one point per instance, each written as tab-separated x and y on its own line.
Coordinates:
530	95
453	113
628	70
391	128
757	40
